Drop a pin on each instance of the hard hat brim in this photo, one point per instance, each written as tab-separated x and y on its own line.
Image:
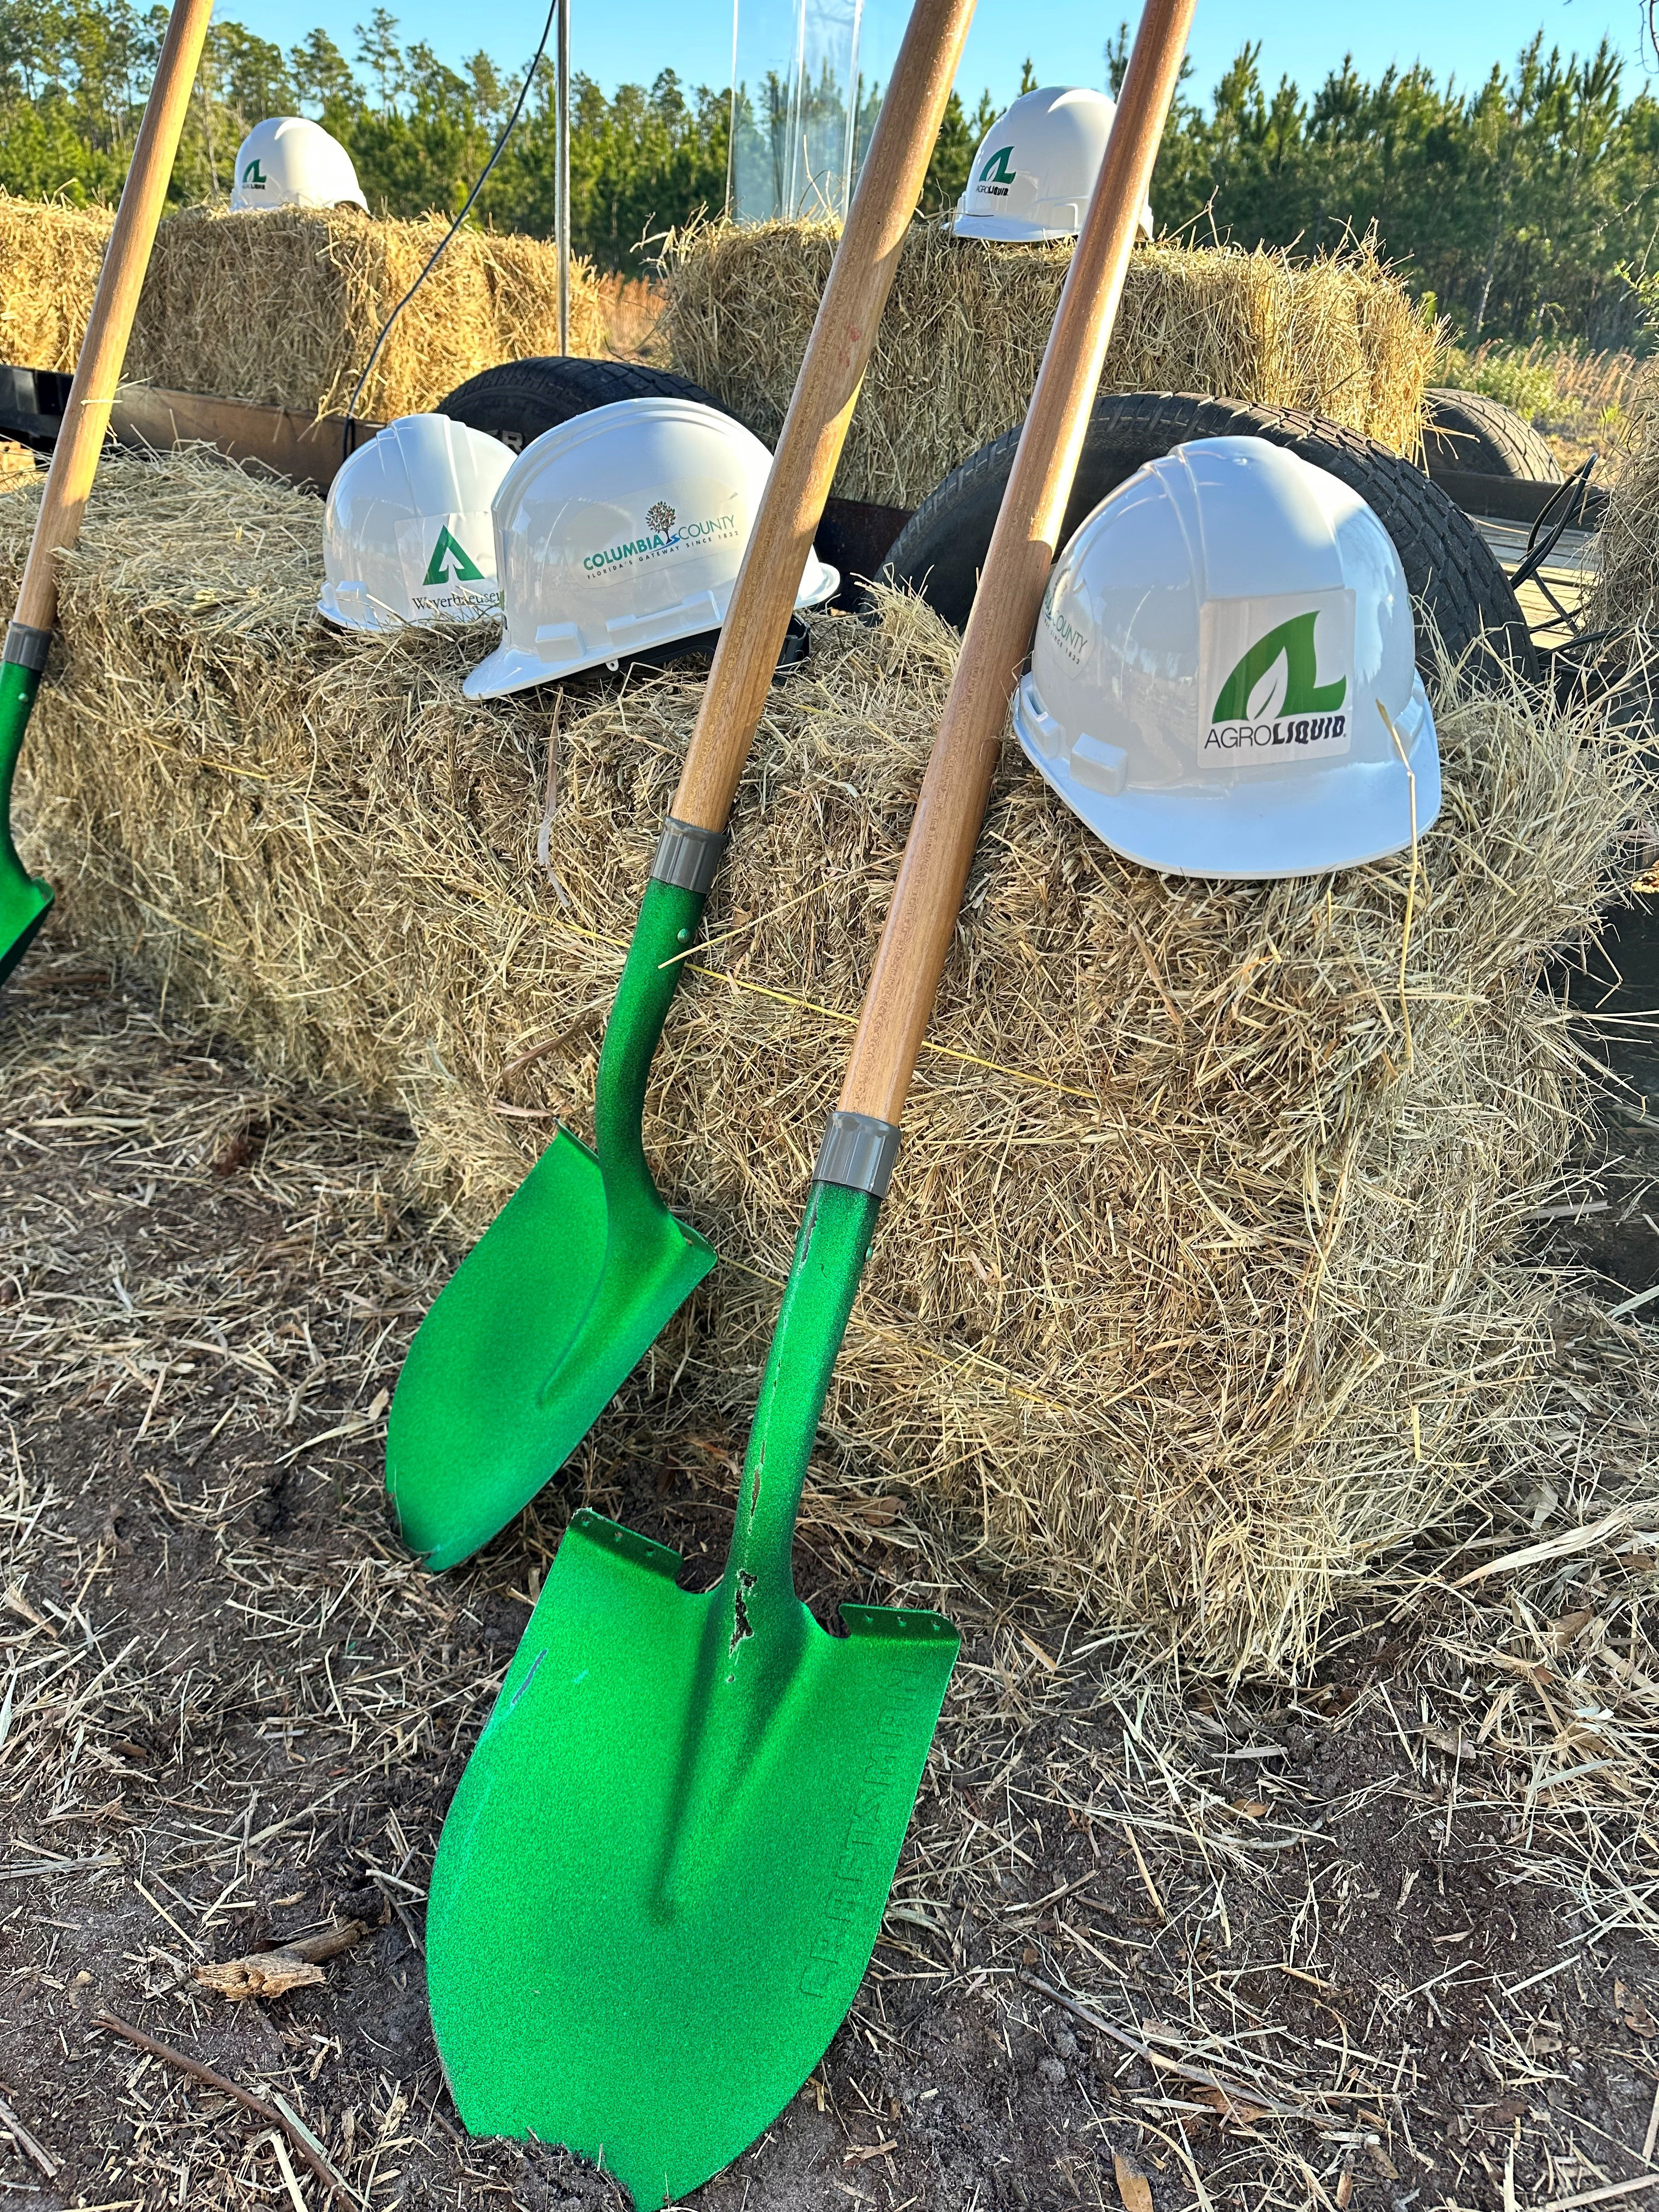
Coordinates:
1339	815
364	613
516	668
1010	232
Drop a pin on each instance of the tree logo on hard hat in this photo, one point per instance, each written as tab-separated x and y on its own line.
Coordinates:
254	175
996	170
449	549
660	517
1292	642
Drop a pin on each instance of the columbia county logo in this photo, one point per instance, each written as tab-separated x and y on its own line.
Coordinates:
254	175
451	562
996	176
1274	697
664	537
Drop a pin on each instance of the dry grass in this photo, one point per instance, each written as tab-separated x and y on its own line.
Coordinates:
283	307
1389	1928
1195	1292
50	256
1626	597
956	355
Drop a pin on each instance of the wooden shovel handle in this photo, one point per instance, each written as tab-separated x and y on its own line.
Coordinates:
815	428
933	873
103	350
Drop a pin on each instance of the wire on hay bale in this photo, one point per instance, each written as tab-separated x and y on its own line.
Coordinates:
282	307
1198	1288
50	253
960	340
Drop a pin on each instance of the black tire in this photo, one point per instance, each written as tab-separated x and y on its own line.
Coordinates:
1452	573
518	401
1466	434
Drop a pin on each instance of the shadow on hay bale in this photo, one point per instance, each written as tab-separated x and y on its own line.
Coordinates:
1197	1288
962	334
283	307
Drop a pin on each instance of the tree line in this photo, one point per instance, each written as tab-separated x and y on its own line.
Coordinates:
1526	205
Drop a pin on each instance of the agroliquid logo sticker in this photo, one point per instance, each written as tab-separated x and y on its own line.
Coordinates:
449	566
996	170
1280	673
253	175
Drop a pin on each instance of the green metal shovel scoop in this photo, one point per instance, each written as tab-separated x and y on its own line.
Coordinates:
565	1291
25	900
665	1865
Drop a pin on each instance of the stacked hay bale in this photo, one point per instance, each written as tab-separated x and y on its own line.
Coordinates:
50	253
1626	595
283	307
962	337
1196	1289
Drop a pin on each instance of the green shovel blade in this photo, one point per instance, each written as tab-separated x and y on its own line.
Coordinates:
559	1300
25	901
626	1963
664	1871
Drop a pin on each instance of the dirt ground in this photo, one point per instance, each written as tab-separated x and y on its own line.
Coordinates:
1381	1937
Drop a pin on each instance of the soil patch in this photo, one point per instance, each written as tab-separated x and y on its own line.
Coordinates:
1381	1936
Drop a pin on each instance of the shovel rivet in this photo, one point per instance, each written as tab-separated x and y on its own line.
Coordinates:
685	936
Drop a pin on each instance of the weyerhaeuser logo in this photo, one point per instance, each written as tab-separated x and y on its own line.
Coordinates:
1273	695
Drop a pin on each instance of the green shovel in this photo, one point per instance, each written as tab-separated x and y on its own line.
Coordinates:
24	899
566	1291
665	1865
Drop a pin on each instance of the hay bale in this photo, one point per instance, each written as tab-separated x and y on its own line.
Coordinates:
1196	1290
50	256
1625	599
283	307
960	342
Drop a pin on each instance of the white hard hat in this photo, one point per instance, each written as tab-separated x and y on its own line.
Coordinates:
287	162
1214	646
620	530
1037	166
407	537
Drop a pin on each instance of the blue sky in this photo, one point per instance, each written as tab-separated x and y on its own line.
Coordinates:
1064	38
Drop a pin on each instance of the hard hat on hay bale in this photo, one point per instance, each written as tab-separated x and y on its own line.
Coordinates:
1200	1282
956	355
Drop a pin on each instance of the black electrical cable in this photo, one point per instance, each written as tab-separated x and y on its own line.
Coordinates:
467	209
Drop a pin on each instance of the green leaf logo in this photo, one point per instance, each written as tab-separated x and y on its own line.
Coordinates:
996	170
1292	642
449	548
253	174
